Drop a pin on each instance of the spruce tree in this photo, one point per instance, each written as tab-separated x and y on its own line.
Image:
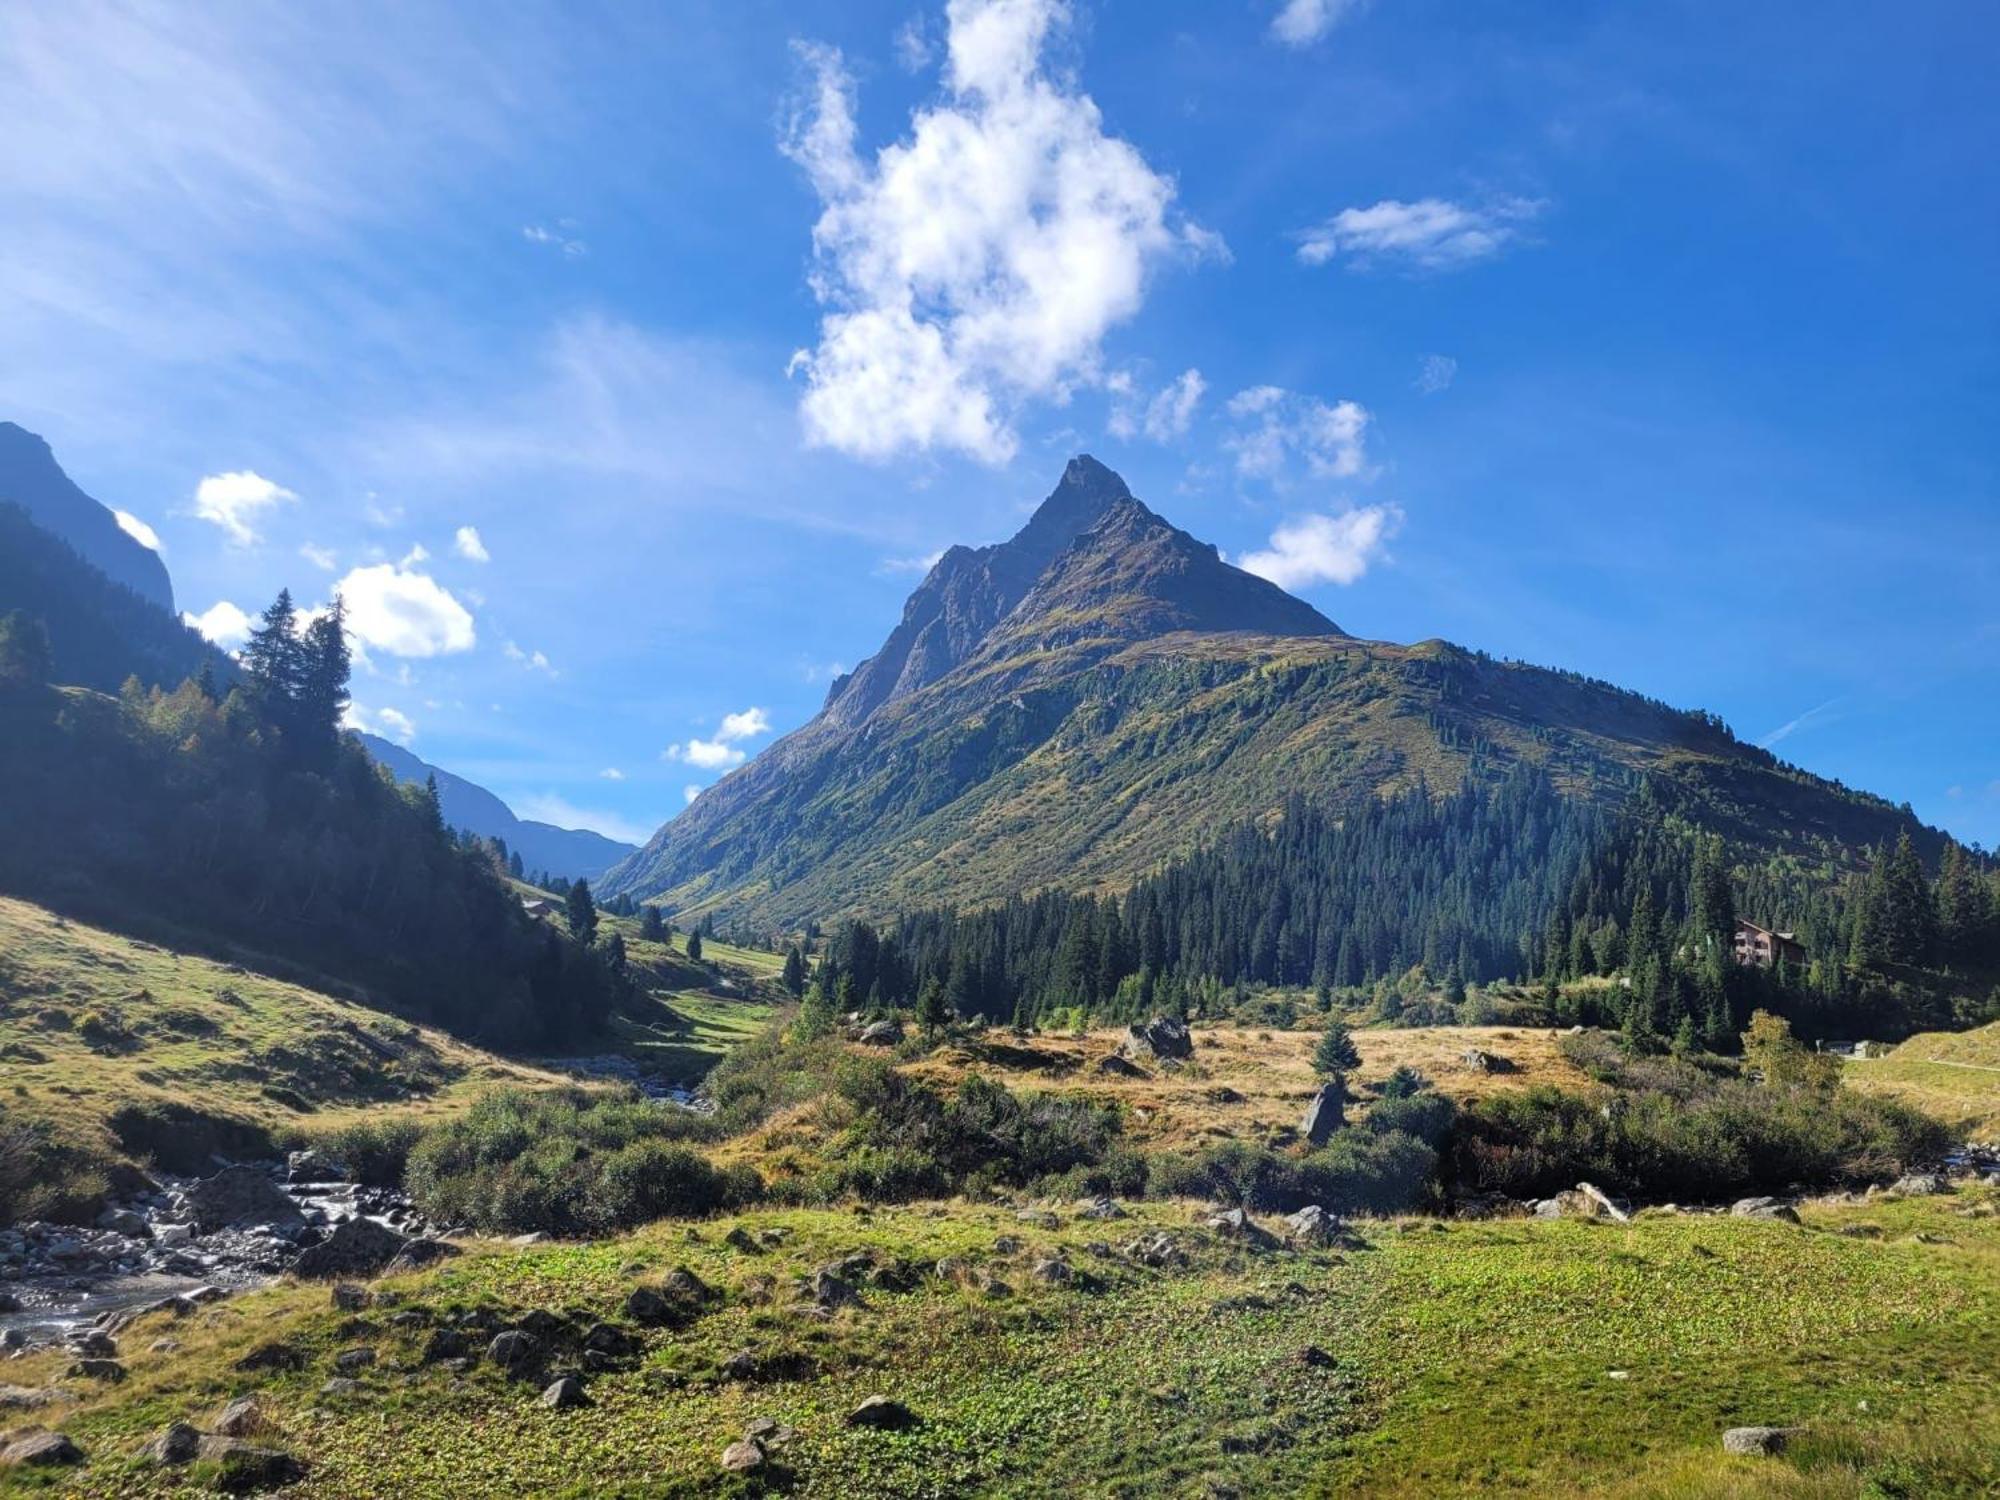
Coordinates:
795	971
694	944
274	660
582	912
324	667
933	1010
1336	1052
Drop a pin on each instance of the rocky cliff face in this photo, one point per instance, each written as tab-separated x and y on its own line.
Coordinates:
31	478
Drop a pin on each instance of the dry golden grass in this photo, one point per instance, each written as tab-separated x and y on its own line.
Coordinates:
1246	1083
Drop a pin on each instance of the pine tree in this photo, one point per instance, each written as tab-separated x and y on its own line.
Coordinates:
1713	902
324	667
582	912
1910	918
795	971
274	660
694	945
1336	1053
816	1015
933	1011
652	927
25	658
433	807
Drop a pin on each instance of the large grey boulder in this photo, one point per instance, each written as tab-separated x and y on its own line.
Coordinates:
1162	1039
178	1444
357	1247
40	1450
1920	1185
240	1195
1325	1114
1764	1208
882	1413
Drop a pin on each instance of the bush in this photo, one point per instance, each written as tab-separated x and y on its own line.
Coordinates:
1358	1171
570	1164
377	1152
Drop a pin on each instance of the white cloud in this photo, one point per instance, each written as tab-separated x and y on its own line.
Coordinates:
222	623
1324	549
417	554
1431	234
1435	372
1276	425
467	544
389	723
912	565
746	725
534	661
1169	413
978	262
556	239
689	793
722	752
234	500
611	773
1302	22
392	609
550	807
913	45
322	558
138	530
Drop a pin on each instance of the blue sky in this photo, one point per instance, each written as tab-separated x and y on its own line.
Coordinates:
1658	342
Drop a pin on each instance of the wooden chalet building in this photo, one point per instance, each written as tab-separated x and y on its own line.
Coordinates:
1763	947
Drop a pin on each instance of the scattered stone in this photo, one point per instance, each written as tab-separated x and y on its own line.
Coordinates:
1479	1061
348	1361
1758	1442
739	1239
1162	1039
243	1467
609	1338
108	1370
357	1247
1158	1250
744	1456
178	1444
95	1344
1325	1113
771	1433
1121	1067
1237	1224
41	1450
827	1290
515	1351
240	1418
1764	1208
742	1365
124	1221
1315	1358
339	1388
314	1166
349	1297
418	1253
542	1323
240	1195
1607	1206
446	1344
880	1034
565	1393
1053	1271
1313	1225
1100	1208
1920	1185
882	1413
27	1398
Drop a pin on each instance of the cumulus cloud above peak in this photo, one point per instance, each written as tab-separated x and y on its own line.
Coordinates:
977	263
221	624
1325	548
393	608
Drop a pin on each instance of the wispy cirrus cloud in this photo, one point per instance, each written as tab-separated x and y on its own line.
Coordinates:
1430	234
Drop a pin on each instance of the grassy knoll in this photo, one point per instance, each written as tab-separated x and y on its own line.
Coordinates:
1531	1357
1954	1075
127	1050
1247	1083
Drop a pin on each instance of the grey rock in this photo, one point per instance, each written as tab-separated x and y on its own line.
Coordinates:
314	1166
239	1196
1920	1185
1237	1224
881	1034
242	1468
357	1247
565	1393
351	1361
418	1253
1162	1039
240	1418
1100	1208
1325	1113
515	1351
1313	1225
744	1456
882	1413
340	1387
349	1297
177	1444
1764	1208
1758	1442
41	1450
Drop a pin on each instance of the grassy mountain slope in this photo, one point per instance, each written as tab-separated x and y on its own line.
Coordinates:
129	1051
1954	1075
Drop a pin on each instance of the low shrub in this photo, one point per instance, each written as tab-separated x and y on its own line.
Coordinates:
1358	1171
570	1164
377	1152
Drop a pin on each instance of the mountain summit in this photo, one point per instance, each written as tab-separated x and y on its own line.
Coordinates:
31	478
1092	697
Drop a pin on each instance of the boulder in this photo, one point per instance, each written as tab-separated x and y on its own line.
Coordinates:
242	1468
882	1413
1158	1250
353	1361
241	1195
98	1369
124	1221
357	1247
1758	1442
314	1166
1099	1208
880	1034
739	1239
1121	1067
565	1393
339	1388
1607	1206
418	1253
825	1289
1313	1225
1920	1185
351	1298
27	1397
1053	1271
609	1338
1764	1208
40	1450
178	1444
742	1365
1162	1039
1325	1113
1236	1224
276	1355
745	1456
515	1351
242	1417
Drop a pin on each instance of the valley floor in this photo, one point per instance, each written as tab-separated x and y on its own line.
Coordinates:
1518	1356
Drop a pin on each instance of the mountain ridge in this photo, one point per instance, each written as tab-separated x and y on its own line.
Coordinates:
1139	696
31	478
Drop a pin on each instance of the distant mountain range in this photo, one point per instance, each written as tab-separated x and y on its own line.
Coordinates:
109	613
31	478
1078	705
569	852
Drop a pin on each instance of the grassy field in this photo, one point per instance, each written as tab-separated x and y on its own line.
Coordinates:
1954	1075
110	1040
1527	1357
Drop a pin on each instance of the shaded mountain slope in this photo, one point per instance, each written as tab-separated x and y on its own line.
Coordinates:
1143	695
568	852
31	478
